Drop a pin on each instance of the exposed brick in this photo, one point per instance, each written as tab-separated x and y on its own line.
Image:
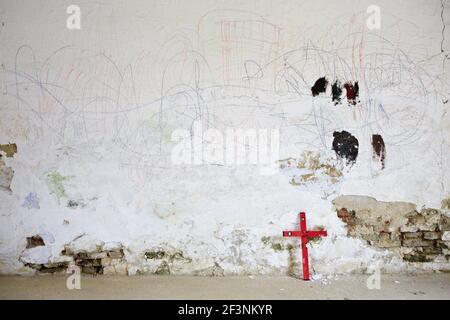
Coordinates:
98	255
106	261
412	235
116	254
96	262
345	215
415	235
415	218
417	258
431	235
88	262
366	232
388	240
372	238
431	250
409	228
92	270
417	243
426	220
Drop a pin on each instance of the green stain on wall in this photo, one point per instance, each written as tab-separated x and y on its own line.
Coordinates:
161	254
56	184
277	246
276	243
265	240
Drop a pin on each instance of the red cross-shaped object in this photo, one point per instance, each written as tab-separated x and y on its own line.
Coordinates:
305	235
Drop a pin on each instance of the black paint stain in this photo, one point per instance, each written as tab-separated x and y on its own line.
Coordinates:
319	86
336	92
345	145
352	92
379	149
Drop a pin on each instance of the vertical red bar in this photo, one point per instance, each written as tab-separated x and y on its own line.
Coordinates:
303	223
304	247
305	259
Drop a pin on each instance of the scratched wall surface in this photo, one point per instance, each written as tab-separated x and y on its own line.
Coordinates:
92	113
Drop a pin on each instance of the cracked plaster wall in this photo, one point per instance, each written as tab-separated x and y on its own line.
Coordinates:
92	112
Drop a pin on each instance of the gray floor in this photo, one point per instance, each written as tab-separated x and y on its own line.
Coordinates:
401	286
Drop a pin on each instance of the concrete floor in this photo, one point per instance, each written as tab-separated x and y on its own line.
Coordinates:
401	286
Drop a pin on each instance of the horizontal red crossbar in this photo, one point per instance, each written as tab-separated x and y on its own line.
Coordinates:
309	234
292	233
312	234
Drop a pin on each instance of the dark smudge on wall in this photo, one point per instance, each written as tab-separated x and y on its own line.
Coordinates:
379	149
336	92
352	92
320	86
346	146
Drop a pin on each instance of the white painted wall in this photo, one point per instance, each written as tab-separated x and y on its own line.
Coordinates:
99	105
